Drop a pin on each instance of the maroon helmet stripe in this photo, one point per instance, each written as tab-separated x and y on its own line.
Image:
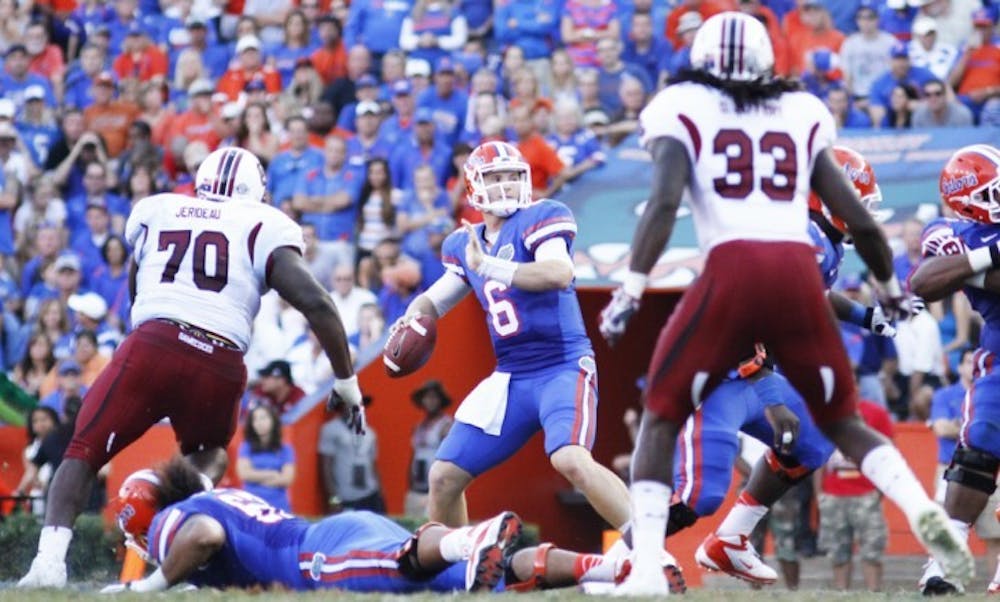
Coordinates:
232	174
722	49
731	63
227	164
741	44
218	172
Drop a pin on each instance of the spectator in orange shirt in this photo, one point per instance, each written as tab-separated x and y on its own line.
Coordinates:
46	59
548	172
976	74
330	59
197	123
248	64
109	117
706	8
140	60
818	32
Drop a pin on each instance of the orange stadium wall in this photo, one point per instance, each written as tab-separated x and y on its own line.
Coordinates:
526	483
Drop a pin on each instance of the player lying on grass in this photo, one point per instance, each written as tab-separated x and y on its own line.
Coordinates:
230	538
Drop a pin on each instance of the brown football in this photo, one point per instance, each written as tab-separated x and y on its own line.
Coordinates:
410	346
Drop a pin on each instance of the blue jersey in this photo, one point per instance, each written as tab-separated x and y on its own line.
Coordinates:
530	330
355	551
262	542
952	237
947	404
829	254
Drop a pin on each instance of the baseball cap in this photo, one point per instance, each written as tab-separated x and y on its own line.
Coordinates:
596	116
34	92
200	86
135	29
104	78
7	108
899	51
402	87
982	16
367	81
97	203
247	43
69	366
825	60
7	130
91	305
444	65
231	110
923	25
367	107
418	68
423	115
196	22
277	368
67	261
688	21
16	48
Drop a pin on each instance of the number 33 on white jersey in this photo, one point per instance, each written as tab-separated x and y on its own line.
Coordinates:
751	170
205	262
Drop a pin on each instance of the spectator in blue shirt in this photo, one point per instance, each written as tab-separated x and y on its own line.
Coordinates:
367	144
643	48
533	25
896	17
95	183
375	24
266	464
88	240
297	44
446	102
290	166
433	29
15	79
80	78
399	126
37	128
611	73
111	276
659	11
215	56
70	386
424	147
478	17
946	413
327	198
576	145
845	114
424	208
366	89
901	72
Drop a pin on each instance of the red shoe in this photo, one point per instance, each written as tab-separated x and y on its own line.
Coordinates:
493	541
736	556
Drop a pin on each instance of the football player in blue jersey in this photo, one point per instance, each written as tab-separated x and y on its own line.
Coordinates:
518	263
231	538
963	254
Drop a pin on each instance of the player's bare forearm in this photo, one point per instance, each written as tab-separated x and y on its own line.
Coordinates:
938	277
841	305
290	276
546	275
671	173
422	305
831	184
193	546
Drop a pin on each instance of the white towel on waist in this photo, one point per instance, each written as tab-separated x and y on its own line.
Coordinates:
486	406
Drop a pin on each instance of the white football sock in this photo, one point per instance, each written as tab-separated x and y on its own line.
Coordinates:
962	527
886	469
650	509
54	542
742	517
456	545
996	576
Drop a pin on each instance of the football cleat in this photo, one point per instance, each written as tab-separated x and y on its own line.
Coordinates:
671	570
493	543
736	556
993	588
45	571
934	529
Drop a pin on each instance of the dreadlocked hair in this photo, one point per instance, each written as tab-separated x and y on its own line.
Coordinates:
179	480
745	94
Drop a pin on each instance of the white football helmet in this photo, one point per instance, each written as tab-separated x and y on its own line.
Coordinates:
494	157
733	46
231	174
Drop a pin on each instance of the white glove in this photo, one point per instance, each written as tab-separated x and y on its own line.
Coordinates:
616	314
878	323
347	391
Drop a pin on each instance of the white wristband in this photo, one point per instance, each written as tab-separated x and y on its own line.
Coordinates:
634	284
981	259
892	287
494	268
154	583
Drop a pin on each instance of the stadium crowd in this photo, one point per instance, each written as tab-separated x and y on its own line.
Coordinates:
363	114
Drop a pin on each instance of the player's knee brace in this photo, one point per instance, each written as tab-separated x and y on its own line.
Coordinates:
408	559
534	581
681	517
974	469
786	468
